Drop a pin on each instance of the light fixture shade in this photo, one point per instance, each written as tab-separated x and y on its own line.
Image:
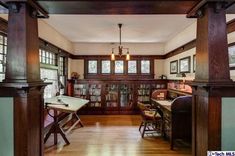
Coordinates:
112	56
128	56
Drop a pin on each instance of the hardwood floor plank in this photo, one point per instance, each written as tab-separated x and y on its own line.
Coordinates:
112	135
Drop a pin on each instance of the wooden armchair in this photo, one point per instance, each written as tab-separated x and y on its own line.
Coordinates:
151	119
159	94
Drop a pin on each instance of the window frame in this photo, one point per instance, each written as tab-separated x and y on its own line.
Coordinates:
120	76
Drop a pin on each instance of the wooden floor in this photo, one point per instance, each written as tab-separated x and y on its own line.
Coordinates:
112	135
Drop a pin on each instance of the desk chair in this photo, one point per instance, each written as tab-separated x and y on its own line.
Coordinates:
151	119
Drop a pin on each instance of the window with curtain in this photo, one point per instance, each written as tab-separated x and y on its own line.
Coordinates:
3	52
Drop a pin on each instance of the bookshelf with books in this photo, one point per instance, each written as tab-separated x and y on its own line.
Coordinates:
80	90
114	96
95	95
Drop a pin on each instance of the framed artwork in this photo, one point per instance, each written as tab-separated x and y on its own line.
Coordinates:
184	65
174	67
194	63
231	55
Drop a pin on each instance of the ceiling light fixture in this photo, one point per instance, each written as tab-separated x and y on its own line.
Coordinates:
120	47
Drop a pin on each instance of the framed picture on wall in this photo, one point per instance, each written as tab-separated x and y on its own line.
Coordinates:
184	65
194	63
231	55
174	67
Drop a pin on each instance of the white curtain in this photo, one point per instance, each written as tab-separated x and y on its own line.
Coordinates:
50	75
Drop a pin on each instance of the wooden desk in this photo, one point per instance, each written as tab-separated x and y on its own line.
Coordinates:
177	118
68	107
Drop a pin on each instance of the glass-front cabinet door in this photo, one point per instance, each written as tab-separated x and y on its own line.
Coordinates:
111	97
126	96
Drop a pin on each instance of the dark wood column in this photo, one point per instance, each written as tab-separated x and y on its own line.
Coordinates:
22	81
212	77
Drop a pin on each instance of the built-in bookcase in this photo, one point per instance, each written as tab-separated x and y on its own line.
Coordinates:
114	97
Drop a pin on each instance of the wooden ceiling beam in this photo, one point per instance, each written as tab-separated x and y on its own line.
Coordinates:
118	6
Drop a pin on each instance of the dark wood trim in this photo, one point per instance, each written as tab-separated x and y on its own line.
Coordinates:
231	26
3	25
119	6
181	49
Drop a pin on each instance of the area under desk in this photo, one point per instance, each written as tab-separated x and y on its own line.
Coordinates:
176	117
68	107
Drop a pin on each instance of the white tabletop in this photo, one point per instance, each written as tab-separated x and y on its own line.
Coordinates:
164	102
74	104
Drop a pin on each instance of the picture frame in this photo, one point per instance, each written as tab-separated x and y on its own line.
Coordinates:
184	64
231	55
174	67
194	63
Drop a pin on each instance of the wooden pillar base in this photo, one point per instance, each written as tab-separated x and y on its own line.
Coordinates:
28	108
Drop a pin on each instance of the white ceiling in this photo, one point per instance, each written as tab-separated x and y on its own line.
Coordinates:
103	28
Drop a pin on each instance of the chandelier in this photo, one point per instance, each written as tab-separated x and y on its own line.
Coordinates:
120	48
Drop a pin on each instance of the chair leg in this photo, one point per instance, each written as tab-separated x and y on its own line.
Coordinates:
141	125
145	125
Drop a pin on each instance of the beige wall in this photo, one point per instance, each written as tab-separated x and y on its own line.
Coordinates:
51	35
106	48
189	76
158	68
191	52
76	66
181	38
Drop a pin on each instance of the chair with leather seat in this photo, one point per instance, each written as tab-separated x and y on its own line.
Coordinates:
151	119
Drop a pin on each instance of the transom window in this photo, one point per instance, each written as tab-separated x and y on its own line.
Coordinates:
145	66
3	52
132	67
105	67
92	66
47	57
119	67
61	66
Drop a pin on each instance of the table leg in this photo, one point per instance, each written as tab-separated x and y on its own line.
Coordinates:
55	127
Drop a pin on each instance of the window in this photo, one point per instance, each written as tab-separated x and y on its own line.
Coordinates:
50	75
92	66
119	67
3	52
145	67
106	67
47	57
132	67
61	66
103	68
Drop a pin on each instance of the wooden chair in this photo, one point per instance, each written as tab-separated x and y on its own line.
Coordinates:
151	119
159	94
